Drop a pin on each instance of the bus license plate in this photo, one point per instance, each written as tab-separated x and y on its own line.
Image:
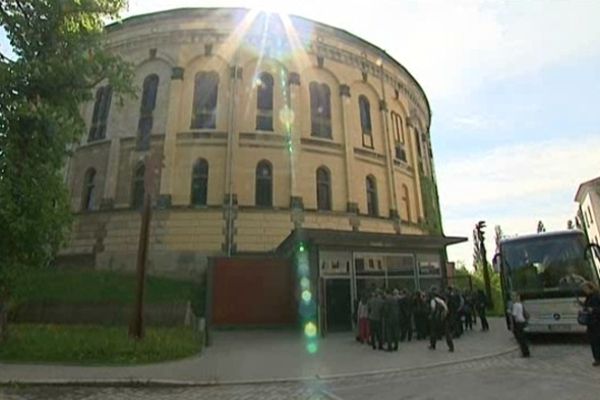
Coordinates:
559	328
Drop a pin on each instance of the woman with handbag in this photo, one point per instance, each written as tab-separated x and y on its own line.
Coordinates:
591	315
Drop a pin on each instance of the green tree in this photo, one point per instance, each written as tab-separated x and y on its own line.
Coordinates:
58	59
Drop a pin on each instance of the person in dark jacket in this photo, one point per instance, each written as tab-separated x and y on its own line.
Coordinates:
455	304
438	319
592	304
391	321
375	306
406	316
468	310
482	303
420	312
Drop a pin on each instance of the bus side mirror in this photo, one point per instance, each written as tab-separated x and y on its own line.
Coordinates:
497	262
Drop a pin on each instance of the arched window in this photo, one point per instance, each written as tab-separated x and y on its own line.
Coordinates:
406	201
137	187
100	114
372	208
320	109
264	102
398	131
149	91
323	189
200	182
365	121
204	108
89	187
264	184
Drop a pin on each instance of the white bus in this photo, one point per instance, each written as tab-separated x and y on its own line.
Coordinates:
547	270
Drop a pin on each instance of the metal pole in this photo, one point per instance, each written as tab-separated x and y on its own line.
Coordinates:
231	120
486	273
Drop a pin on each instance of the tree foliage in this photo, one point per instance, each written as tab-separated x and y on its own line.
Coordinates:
59	59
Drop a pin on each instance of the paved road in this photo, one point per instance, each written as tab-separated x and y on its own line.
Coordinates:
555	371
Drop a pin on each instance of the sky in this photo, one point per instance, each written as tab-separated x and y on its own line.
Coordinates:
514	88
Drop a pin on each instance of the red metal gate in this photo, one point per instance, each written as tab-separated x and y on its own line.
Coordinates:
253	291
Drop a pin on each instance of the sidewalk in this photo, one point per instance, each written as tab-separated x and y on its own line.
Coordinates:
267	356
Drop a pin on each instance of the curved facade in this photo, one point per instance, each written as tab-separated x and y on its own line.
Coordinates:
265	124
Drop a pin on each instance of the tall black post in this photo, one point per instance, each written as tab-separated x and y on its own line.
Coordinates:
486	274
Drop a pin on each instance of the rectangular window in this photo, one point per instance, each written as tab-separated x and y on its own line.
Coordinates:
429	265
206	89
400	152
367	140
264	120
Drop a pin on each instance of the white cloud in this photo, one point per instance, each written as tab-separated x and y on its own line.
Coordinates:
450	47
515	172
514	187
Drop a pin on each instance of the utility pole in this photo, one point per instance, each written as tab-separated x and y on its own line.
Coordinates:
486	274
152	167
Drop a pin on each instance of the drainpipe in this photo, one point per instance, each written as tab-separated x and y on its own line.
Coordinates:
230	124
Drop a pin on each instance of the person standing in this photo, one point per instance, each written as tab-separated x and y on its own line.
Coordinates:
391	320
438	319
468	311
519	322
592	305
482	303
375	307
420	311
362	316
406	314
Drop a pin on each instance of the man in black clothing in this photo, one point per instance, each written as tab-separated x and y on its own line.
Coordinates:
482	302
391	320
438	319
406	314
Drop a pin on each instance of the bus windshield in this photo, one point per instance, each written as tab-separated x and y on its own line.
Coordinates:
551	265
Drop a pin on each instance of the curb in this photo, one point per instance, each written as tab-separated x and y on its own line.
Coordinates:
134	382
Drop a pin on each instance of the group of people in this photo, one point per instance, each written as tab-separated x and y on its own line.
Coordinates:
387	317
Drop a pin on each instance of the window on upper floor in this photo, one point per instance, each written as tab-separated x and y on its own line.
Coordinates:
89	190
148	103
200	182
320	110
204	107
372	206
589	210
364	109
419	145
264	102
264	184
323	189
100	113
137	187
398	132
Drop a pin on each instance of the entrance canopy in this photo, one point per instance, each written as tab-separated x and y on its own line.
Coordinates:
365	240
342	266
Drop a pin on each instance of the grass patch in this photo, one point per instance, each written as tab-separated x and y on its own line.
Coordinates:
89	286
90	345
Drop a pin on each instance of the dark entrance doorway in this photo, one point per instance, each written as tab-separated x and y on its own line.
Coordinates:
339	312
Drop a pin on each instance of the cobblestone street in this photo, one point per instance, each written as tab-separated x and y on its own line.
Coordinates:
555	371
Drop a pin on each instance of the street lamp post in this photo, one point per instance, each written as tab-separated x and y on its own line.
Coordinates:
486	274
